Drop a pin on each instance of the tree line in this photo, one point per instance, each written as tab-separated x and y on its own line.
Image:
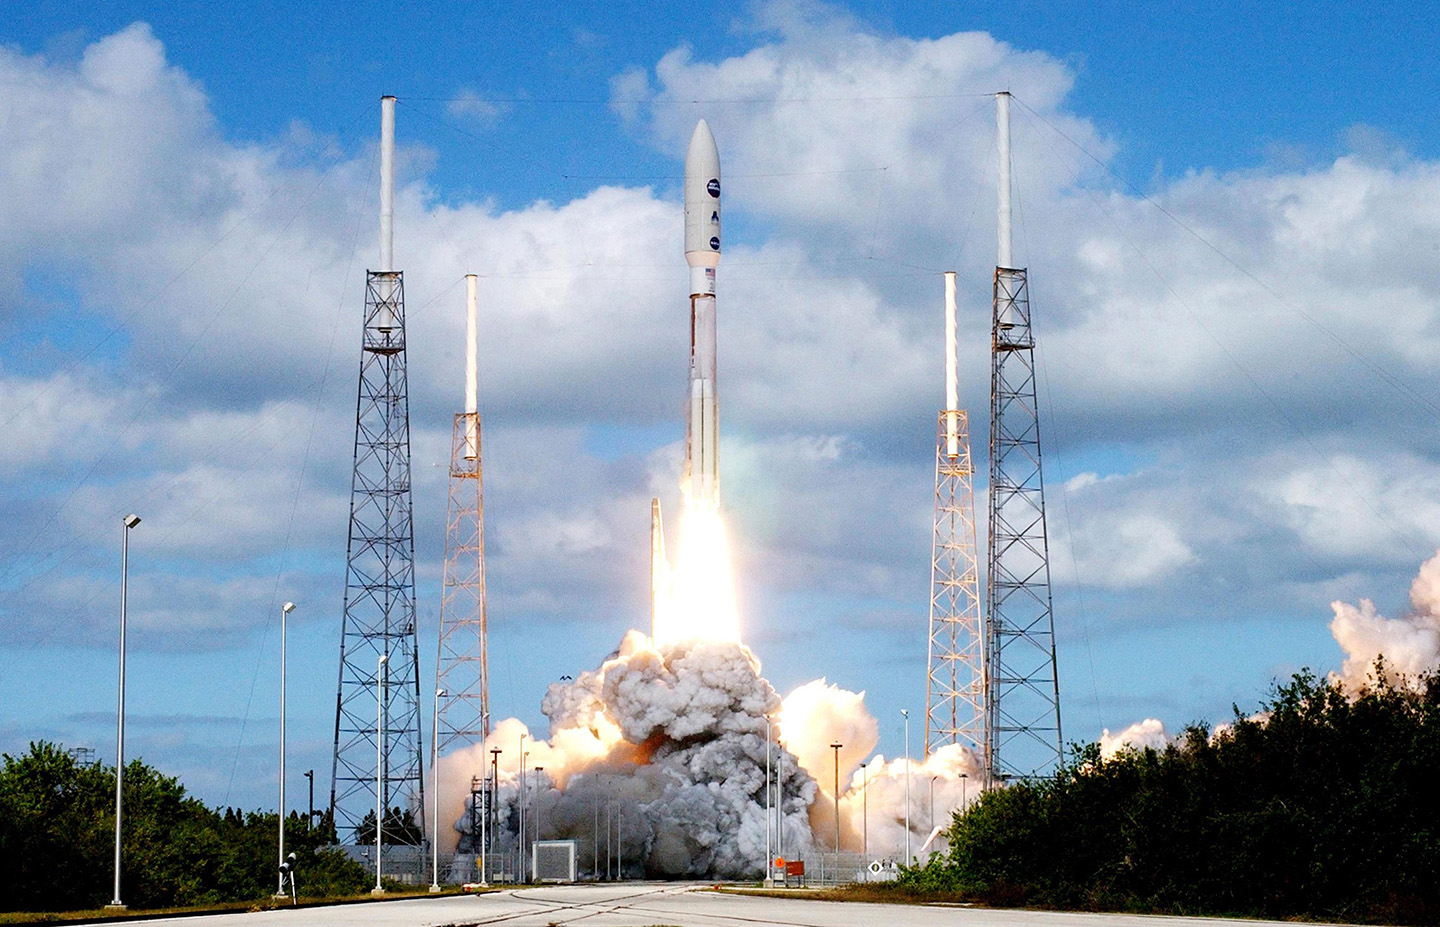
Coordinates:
1326	804
57	841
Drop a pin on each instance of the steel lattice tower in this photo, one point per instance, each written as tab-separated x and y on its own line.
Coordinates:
955	684
464	671
379	615
1022	729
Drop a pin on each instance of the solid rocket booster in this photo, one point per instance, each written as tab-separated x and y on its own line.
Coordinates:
702	253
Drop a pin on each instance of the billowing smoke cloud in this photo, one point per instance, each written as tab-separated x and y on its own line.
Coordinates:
1409	645
1142	735
655	765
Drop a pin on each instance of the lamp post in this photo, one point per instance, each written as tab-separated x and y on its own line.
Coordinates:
485	834
285	610
905	713
769	860
310	779
964	791
538	771
836	747
435	818
128	522
520	837
865	814
379	767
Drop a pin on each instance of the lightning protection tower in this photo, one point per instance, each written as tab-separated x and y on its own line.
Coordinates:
463	672
955	685
1022	730
377	706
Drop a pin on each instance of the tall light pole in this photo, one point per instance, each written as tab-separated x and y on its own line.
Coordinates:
310	778
865	814
285	610
379	766
520	847
435	818
905	713
129	521
836	747
536	839
489	807
769	860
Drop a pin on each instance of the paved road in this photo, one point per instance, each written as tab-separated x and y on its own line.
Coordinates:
643	904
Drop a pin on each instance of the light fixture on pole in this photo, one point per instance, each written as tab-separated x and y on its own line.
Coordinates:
537	837
865	813
520	847
435	818
129	521
906	714
285	610
494	783
836	748
310	778
379	767
769	860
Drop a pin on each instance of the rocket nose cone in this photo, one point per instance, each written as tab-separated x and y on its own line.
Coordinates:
702	156
702	198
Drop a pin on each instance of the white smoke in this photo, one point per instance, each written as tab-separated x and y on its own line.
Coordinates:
1142	735
655	764
1409	645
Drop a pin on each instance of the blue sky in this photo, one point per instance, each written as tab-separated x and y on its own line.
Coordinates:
1231	442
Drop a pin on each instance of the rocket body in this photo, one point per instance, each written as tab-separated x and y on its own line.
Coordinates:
702	254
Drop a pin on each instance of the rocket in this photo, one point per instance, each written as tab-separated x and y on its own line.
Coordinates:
701	480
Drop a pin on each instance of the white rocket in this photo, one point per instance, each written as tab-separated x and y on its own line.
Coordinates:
702	252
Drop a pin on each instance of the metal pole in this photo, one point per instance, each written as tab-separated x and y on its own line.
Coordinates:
128	522
379	768
435	822
906	714
619	843
768	858
310	779
520	838
537	837
1002	125
285	610
492	799
595	840
836	748
865	814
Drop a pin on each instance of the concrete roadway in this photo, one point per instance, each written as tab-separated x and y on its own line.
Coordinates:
640	904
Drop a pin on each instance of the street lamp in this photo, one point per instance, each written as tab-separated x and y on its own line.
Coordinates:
836	747
865	813
435	818
490	797
906	714
379	766
536	839
520	837
520	846
285	610
769	860
310	778
129	521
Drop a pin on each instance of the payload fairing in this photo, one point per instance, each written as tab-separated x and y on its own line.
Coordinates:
701	478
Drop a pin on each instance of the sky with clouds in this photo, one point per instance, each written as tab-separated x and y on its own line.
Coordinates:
1233	257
